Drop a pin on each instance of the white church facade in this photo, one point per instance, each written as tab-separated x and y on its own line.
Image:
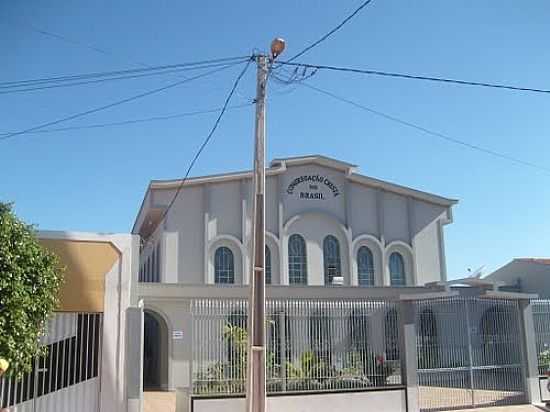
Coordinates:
326	225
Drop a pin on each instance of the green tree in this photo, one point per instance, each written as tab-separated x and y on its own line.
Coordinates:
30	279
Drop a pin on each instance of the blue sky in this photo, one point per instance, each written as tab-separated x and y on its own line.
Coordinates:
94	179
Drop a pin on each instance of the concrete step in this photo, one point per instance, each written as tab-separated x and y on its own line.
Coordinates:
160	401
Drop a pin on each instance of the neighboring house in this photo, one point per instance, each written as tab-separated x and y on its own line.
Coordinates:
527	275
84	369
323	221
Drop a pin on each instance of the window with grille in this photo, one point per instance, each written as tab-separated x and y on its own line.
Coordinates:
365	266
297	260
224	266
331	257
397	270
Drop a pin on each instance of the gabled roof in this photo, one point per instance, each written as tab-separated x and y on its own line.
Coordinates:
315	159
540	261
279	166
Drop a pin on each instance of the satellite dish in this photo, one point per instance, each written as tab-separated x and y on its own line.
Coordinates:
476	274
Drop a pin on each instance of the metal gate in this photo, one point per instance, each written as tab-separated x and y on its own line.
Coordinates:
470	353
68	378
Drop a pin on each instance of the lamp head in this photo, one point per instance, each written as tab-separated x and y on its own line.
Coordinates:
277	47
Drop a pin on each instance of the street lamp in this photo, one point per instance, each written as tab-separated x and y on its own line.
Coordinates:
256	384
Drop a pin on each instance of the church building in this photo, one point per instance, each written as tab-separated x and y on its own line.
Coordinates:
326	225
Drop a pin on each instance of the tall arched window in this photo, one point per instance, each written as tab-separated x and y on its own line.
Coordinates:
267	265
365	267
397	270
224	266
297	260
331	257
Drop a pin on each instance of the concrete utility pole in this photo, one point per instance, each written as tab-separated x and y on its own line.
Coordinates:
256	383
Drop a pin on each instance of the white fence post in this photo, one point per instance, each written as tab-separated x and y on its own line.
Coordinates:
184	389
408	353
530	358
134	358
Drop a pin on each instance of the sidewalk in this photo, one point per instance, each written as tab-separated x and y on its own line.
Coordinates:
512	408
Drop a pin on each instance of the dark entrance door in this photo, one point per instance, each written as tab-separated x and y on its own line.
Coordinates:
151	352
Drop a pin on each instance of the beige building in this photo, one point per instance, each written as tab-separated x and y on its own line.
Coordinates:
325	224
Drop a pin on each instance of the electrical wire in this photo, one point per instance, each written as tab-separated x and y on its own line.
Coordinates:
52	86
330	33
134	121
91	47
428	131
117	103
118	73
203	145
61	37
416	77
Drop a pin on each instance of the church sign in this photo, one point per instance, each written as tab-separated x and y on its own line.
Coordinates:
310	187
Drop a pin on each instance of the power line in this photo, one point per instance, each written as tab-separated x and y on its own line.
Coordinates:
102	80
73	42
204	143
134	121
60	37
105	74
330	33
415	77
428	131
117	103
94	48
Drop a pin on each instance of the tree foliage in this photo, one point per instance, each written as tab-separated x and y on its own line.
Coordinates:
30	279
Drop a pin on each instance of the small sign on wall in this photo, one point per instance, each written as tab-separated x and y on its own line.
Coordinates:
177	334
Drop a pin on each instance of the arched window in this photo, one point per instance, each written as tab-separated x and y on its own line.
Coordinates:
267	265
365	267
397	270
331	257
297	260
224	266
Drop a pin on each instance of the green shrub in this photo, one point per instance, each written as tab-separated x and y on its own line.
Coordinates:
30	279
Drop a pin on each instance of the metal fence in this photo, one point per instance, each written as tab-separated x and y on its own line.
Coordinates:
541	319
469	353
312	345
73	342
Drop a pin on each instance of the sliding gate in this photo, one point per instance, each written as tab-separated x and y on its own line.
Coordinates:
469	353
68	378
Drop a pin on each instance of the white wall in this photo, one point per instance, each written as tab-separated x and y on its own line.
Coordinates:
225	209
187	218
532	277
396	221
208	214
364	210
379	401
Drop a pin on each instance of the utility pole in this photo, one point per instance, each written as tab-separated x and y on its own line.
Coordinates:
256	379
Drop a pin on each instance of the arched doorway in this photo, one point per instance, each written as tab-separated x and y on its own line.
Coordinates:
155	352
